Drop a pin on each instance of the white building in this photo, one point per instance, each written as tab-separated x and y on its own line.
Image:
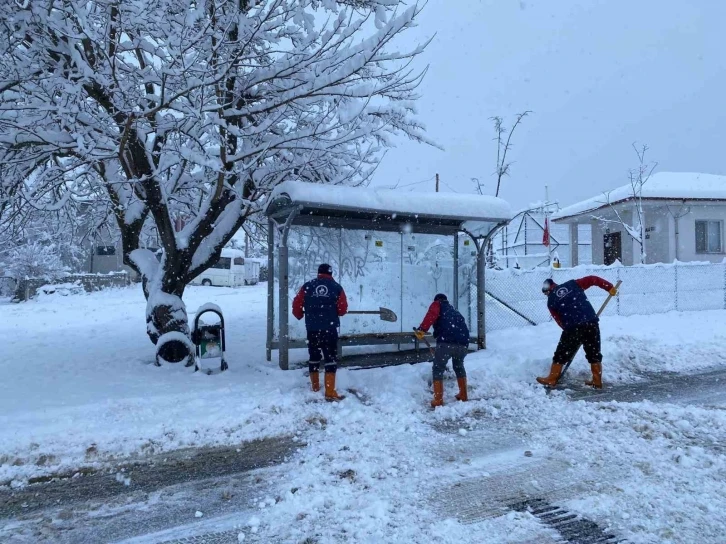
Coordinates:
684	216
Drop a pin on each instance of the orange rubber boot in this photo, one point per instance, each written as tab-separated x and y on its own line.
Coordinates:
551	380
315	381
330	393
438	394
596	381
462	394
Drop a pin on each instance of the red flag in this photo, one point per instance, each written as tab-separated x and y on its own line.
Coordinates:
546	234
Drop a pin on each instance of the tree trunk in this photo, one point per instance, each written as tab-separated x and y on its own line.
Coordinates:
167	323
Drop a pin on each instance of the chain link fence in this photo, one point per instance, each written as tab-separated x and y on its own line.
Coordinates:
514	297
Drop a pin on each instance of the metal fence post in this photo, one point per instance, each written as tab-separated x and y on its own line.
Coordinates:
455	286
617	299
675	291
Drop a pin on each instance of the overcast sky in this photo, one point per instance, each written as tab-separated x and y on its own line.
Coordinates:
598	76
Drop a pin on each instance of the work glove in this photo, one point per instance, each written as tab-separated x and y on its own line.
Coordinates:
613	291
419	334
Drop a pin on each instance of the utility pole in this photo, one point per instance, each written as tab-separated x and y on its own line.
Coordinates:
437	182
547	225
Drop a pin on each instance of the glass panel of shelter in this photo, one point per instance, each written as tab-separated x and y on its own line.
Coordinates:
467	281
370	273
428	269
366	264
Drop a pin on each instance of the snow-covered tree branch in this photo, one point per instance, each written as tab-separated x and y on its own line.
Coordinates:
179	108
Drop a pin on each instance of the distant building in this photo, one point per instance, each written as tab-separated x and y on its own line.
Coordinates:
519	244
684	215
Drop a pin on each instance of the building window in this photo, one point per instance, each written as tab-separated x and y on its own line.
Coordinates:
105	250
239	261
708	237
223	263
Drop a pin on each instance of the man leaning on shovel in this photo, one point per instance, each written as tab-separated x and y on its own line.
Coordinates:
322	302
572	311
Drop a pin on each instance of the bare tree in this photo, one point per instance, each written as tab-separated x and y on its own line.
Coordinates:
638	177
677	213
166	108
504	144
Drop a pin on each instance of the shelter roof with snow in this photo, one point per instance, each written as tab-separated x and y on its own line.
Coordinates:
662	186
384	209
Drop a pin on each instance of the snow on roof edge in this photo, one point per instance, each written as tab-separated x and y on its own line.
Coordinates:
468	207
661	185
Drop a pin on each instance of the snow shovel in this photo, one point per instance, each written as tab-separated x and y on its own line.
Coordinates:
428	345
384	313
600	311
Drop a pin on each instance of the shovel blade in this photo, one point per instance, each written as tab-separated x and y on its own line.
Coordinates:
388	315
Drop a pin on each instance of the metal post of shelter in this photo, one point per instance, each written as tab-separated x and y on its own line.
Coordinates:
401	278
284	332
481	245
481	335
340	276
270	286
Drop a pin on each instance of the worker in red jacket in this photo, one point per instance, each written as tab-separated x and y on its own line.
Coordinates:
452	342
572	311
322	302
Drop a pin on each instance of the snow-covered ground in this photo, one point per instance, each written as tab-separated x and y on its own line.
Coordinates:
79	390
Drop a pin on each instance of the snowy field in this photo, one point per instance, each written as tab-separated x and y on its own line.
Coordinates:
79	390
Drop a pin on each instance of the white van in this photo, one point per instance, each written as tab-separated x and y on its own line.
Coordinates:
231	270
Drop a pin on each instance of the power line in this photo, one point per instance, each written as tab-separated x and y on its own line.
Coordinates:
414	183
449	186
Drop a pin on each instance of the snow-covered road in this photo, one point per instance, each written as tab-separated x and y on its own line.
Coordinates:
79	392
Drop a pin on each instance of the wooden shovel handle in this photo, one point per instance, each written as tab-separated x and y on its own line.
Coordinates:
604	304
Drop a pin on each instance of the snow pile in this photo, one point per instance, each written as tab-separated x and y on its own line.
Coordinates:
89	378
63	289
82	397
669	464
209	307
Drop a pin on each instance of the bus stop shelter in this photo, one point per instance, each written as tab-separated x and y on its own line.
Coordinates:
465	221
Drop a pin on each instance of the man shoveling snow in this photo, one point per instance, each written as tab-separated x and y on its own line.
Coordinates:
572	311
452	342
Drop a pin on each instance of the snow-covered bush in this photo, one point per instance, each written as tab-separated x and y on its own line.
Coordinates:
63	289
33	260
